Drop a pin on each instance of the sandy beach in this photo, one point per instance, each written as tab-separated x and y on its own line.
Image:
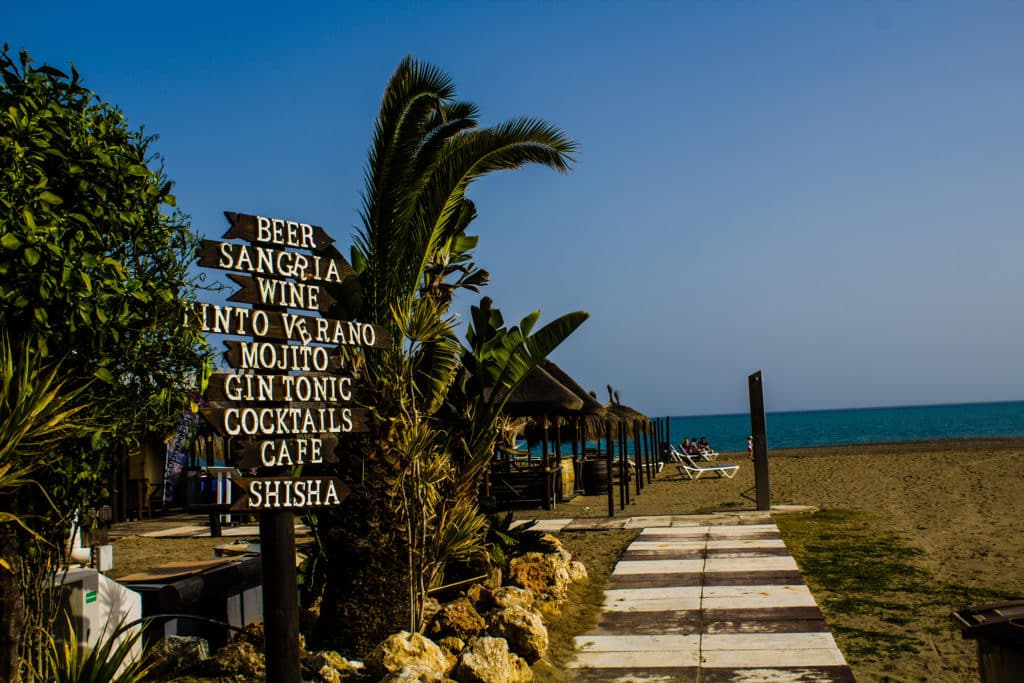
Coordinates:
957	502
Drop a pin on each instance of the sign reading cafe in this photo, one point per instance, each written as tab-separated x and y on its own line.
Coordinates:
287	393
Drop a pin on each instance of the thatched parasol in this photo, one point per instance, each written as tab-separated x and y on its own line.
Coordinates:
541	394
591	406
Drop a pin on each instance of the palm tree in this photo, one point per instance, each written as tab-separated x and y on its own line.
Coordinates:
412	254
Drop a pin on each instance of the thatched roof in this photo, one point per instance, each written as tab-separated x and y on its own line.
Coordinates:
591	406
541	394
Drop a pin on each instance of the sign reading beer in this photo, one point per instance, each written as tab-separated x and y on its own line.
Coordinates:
288	394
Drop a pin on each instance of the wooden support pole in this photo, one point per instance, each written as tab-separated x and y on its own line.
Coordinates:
280	596
648	452
609	457
759	430
546	463
623	471
637	462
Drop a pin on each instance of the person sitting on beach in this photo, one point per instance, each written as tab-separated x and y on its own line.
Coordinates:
685	446
703	446
692	449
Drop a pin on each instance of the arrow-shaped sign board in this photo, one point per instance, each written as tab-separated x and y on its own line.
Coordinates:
307	329
266	291
284	493
286	452
262	355
273	262
277	232
297	420
260	388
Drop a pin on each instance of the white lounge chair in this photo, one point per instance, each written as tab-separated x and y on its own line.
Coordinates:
677	456
692	470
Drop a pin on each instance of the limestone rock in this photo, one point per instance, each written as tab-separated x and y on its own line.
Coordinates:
458	618
452	644
430	609
481	596
489	661
524	630
176	654
414	673
544	574
404	648
330	666
511	596
577	571
238	658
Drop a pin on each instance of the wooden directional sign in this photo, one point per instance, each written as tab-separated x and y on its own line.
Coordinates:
273	262
264	355
265	291
285	493
286	452
281	325
277	232
286	421
253	388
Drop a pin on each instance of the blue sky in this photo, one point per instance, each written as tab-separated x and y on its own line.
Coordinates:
830	192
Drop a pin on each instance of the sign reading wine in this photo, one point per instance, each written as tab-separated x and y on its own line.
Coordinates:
287	397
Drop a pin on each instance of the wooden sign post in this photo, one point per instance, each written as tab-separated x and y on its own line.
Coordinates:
287	394
759	433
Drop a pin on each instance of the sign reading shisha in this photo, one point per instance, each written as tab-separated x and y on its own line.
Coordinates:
287	393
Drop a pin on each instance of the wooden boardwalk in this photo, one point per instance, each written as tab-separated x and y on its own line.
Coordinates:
709	603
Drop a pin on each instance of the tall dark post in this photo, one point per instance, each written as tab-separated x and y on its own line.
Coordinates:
546	463
280	596
623	470
647	450
637	457
609	458
668	434
759	430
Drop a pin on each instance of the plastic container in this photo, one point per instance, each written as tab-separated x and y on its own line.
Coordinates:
999	630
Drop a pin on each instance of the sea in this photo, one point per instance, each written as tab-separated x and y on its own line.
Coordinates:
810	428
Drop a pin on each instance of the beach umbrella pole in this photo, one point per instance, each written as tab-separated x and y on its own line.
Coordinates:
758	430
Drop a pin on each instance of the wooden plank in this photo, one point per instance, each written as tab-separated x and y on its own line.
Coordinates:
277	325
288	493
264	355
287	421
262	388
269	262
280	293
286	452
277	232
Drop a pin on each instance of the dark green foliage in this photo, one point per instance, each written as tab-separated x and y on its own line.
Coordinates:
93	258
505	541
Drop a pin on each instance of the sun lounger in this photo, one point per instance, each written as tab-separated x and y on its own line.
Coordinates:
692	470
677	456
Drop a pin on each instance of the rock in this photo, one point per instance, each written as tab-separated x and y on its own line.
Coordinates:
511	596
524	630
176	654
330	666
253	633
238	658
489	661
577	571
544	574
458	618
414	673
481	596
452	644
405	648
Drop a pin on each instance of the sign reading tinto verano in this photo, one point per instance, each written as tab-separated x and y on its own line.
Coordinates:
288	393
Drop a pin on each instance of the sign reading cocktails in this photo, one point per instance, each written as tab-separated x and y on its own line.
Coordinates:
287	394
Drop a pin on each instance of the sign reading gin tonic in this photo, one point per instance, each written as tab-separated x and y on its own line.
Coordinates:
287	394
